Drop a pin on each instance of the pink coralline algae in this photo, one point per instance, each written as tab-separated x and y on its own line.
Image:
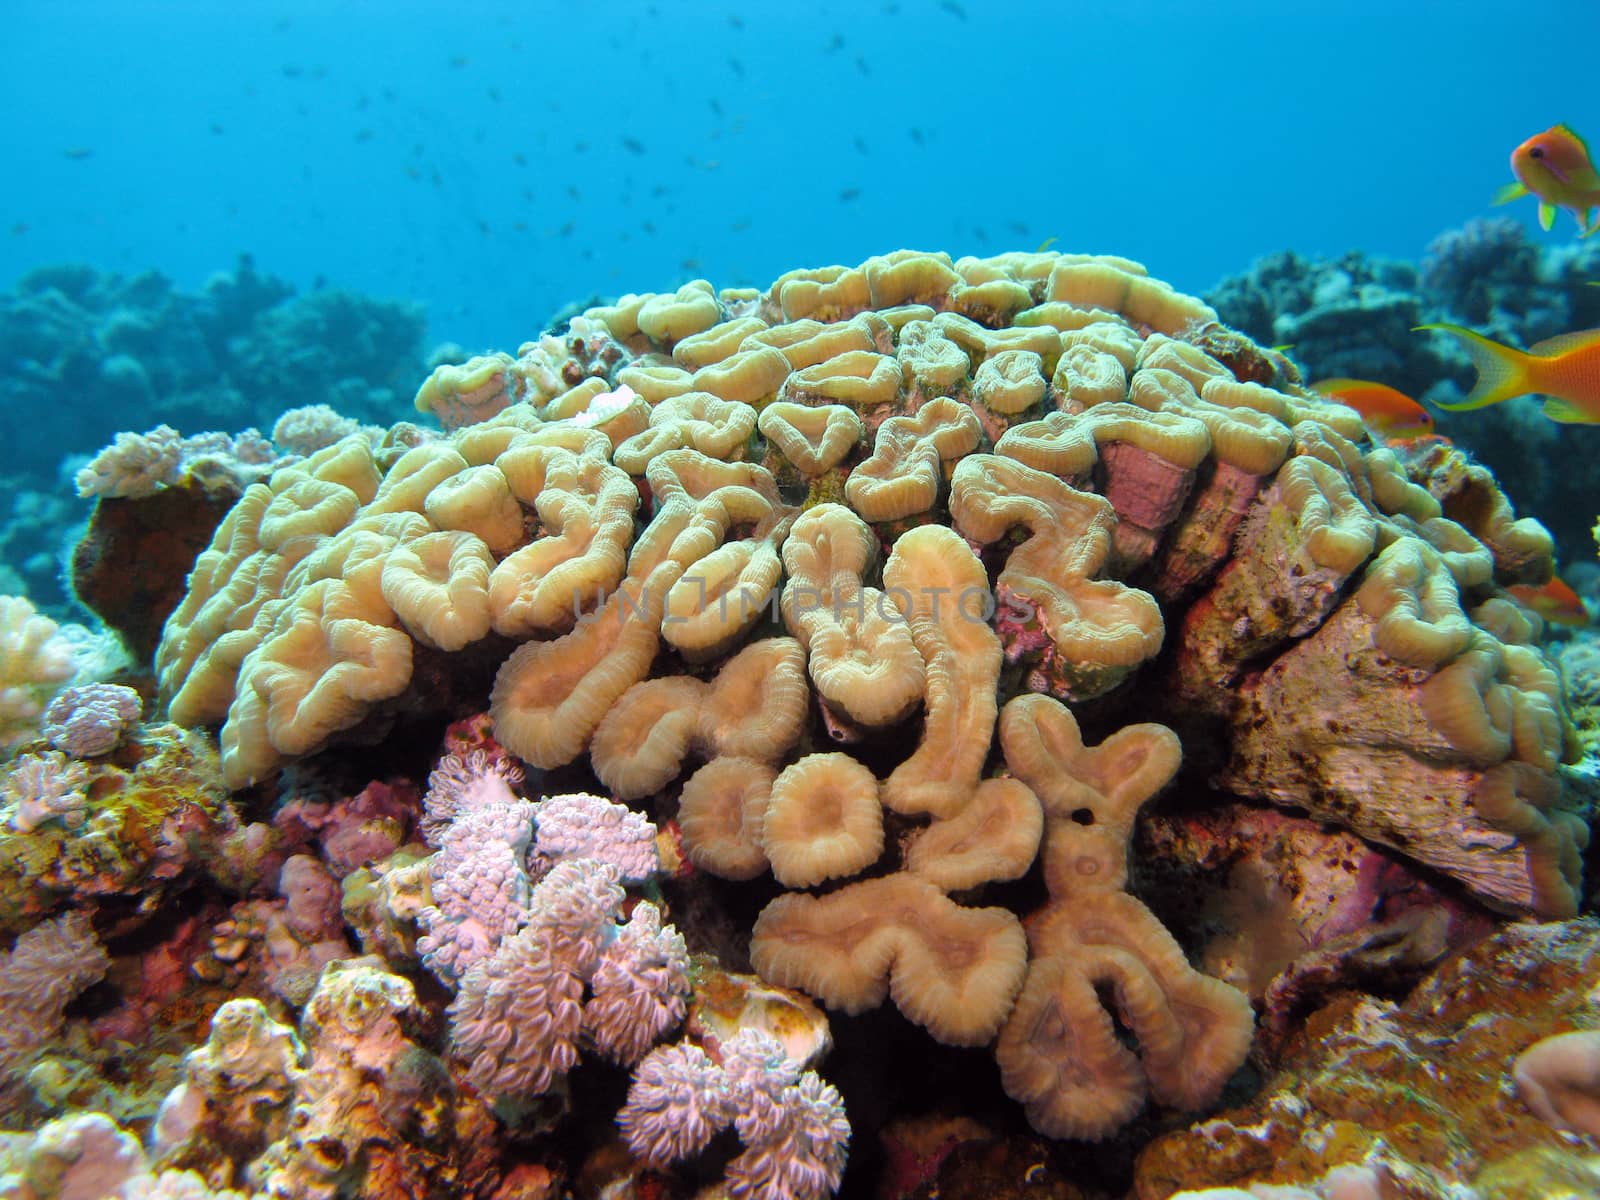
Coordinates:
90	720
793	1124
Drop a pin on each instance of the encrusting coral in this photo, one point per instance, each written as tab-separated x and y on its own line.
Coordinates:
969	491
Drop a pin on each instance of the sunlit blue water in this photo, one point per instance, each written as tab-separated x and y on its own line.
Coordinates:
496	160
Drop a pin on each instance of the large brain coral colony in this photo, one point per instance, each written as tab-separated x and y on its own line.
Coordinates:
826	577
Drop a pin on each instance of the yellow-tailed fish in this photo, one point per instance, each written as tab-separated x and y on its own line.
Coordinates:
1565	368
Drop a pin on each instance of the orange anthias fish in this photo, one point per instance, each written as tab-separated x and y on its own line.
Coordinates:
1555	166
1555	601
1393	415
1565	368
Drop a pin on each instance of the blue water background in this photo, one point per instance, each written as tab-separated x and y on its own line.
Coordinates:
498	160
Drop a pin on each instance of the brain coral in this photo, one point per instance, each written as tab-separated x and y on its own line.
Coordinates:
868	506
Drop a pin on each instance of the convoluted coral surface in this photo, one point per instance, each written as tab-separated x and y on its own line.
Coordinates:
911	582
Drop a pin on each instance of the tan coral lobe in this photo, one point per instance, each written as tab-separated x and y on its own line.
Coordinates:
822	821
949	497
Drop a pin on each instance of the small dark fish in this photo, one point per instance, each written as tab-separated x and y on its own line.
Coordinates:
413	173
659	191
690	264
1017	228
835	44
281	25
891	10
78	152
458	61
494	94
738	67
20	228
739	226
520	159
483	227
861	65
216	129
520	226
574	193
954	9
580	147
527	194
735	20
633	145
916	135
290	71
849	194
566	230
716	105
980	233
649	227
861	146
365	135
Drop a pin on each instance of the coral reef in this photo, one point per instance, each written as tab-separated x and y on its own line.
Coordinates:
1420	1091
93	349
1002	653
1354	316
137	822
91	344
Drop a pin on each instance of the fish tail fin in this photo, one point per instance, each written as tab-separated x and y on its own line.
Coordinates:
1547	215
1502	370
